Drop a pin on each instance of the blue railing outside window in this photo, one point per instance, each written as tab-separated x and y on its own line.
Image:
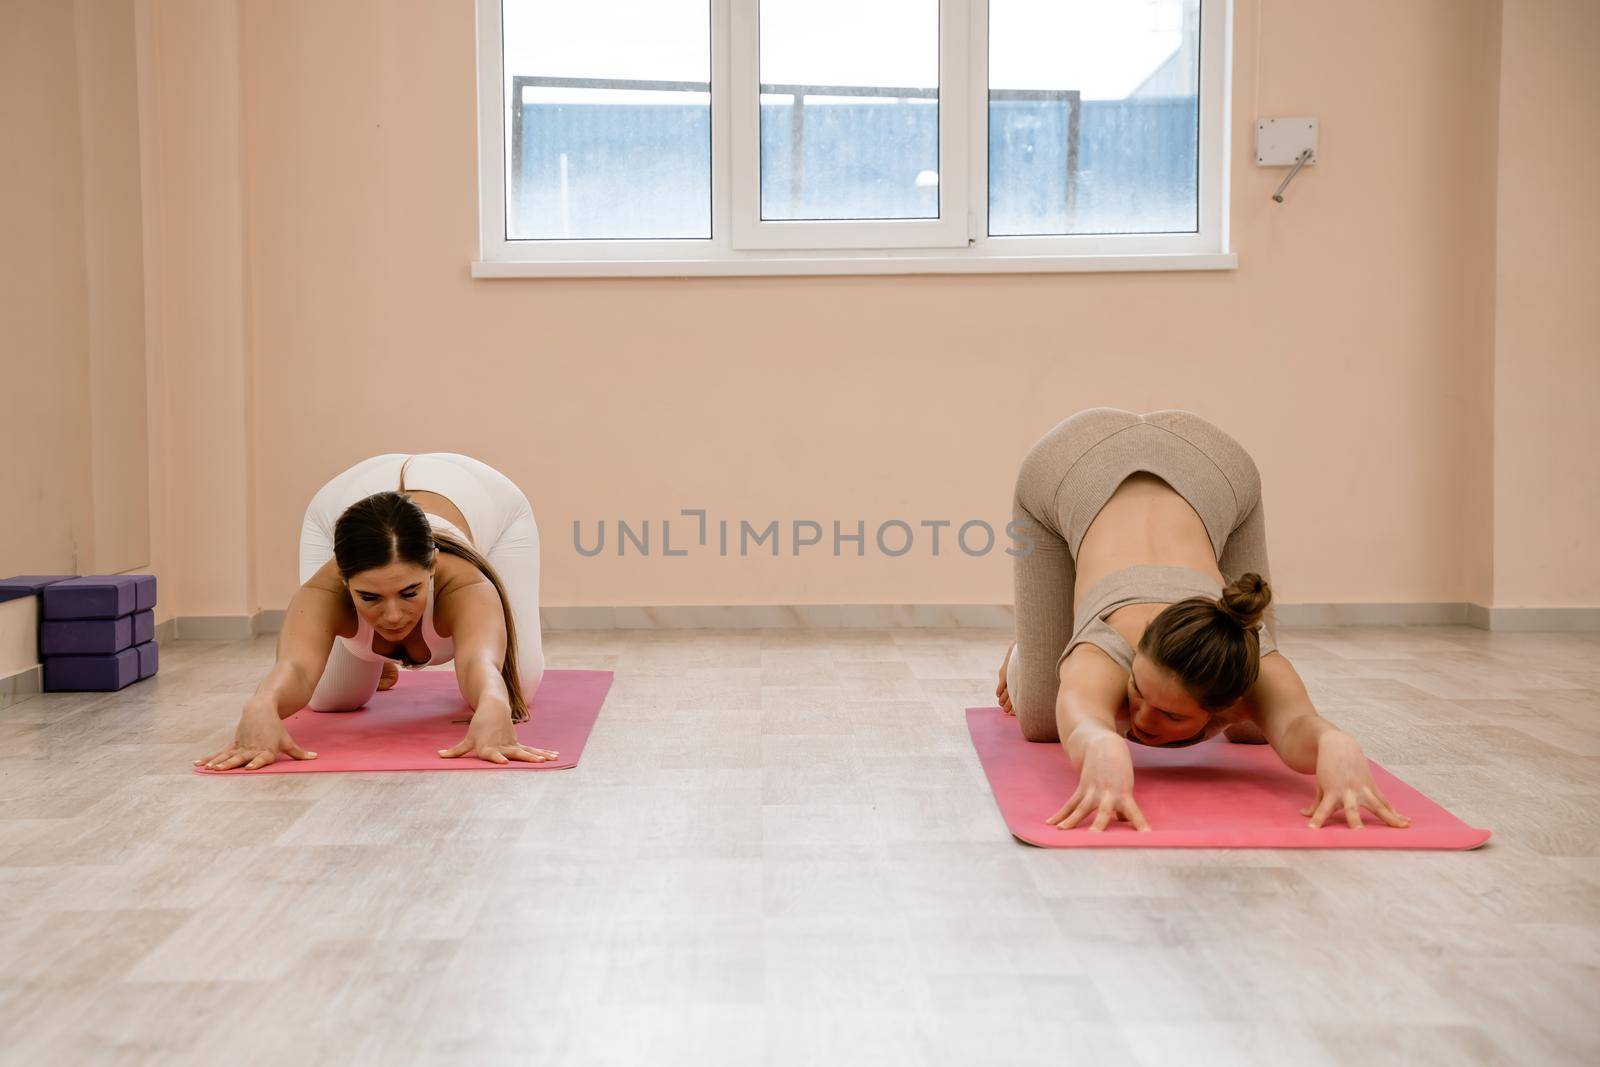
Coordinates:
1057	163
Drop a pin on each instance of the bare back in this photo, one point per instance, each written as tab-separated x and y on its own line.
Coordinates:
1146	521
434	504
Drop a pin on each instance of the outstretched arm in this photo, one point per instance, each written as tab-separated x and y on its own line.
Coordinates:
1086	707
479	631
315	613
1310	744
477	624
1283	709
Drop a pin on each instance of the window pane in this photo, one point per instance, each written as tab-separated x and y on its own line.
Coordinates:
849	109
609	126
1094	116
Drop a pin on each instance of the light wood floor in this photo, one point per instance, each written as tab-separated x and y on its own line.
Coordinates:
780	848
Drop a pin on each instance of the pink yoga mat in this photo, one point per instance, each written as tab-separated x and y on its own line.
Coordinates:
1212	795
404	728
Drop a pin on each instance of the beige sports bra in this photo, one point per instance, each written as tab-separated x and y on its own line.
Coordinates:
1140	584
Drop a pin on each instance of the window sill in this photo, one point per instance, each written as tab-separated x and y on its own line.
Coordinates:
804	265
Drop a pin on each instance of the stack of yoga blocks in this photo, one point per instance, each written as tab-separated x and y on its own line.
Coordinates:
98	632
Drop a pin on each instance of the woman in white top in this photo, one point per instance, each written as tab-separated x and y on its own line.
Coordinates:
445	569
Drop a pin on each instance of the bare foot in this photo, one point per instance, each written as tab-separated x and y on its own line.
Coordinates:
1001	693
1245	733
390	675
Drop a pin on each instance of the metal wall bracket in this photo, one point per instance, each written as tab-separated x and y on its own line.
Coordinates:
1286	142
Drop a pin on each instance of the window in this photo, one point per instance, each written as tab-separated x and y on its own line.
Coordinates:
851	136
860	141
609	124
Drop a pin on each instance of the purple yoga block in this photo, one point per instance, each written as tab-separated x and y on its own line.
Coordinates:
144	627
91	674
86	637
28	585
144	592
149	658
94	597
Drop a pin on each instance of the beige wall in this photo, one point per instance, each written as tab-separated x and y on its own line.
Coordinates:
44	331
1338	352
310	213
155	385
199	303
108	119
1547	318
71	326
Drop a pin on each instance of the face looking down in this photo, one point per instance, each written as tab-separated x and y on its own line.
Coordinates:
391	598
1160	710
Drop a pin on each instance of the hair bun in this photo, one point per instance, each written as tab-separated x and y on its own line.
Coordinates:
1245	600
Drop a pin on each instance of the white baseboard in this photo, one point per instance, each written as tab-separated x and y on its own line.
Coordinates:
214	627
1535	620
1439	614
996	616
20	686
267	622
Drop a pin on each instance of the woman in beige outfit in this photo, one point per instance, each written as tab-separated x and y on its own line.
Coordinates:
1143	614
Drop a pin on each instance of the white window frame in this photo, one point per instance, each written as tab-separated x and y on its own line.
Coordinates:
952	229
743	244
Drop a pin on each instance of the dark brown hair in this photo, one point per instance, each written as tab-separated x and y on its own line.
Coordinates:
388	527
1212	646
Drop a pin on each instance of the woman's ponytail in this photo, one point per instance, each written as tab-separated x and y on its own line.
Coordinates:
1213	646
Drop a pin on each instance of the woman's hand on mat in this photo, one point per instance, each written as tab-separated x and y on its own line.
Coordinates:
1105	788
1344	782
491	737
260	739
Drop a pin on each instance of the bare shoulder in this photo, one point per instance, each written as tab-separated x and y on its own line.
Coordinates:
1277	675
1093	687
463	597
1092	683
1277	683
452	573
327	579
321	605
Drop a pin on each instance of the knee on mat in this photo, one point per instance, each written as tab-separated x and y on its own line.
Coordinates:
530	677
1038	728
1245	733
339	707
